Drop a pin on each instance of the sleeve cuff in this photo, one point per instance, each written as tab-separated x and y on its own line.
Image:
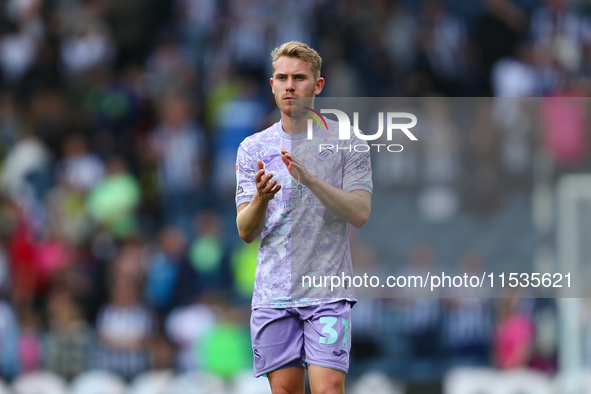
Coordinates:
358	187
242	200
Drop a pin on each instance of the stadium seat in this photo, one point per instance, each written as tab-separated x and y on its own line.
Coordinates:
98	382
584	382
375	383
40	382
523	382
246	383
4	387
470	381
197	383
153	382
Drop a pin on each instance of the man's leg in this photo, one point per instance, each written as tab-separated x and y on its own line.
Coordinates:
325	380
287	381
277	341
327	343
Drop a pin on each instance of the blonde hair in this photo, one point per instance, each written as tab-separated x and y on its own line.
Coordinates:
301	51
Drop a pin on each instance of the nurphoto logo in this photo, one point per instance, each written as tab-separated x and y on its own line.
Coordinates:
345	129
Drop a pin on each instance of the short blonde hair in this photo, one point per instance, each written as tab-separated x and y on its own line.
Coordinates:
301	51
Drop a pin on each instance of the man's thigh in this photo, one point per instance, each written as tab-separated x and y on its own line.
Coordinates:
327	335
326	380
277	340
287	380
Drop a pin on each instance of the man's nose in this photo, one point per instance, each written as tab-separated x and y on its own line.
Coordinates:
289	86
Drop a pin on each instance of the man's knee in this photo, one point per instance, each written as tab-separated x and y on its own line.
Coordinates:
329	387
287	381
326	380
284	390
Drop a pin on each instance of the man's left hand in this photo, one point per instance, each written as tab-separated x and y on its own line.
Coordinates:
295	167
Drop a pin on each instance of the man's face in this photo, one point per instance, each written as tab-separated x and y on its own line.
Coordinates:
293	80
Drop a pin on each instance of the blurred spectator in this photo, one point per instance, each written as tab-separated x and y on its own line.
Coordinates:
498	31
401	38
79	168
236	119
132	23
196	21
50	115
244	264
52	254
164	268
208	253
161	353
468	322
9	334
112	102
516	75
10	124
565	124
130	260
369	313
226	346
87	45
483	188
124	328
545	346
25	278
292	21
186	326
513	337
44	73
397	170
69	340
17	53
336	68
586	315
112	202
247	41
169	66
178	147
440	145
29	156
4	268
562	33
67	214
29	342
512	117
422	316
442	45
27	14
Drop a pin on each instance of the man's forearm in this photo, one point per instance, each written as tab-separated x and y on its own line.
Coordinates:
251	219
351	207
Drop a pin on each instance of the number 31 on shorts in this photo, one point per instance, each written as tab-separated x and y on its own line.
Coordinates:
329	323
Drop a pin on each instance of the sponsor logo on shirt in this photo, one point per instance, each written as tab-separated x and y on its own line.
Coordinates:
325	154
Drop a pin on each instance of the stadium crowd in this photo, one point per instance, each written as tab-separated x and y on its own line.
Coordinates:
119	125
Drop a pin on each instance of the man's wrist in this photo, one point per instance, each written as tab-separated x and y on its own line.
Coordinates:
258	200
311	183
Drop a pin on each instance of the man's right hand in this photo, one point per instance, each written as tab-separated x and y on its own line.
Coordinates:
252	216
266	188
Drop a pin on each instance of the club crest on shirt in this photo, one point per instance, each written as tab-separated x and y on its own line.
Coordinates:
325	154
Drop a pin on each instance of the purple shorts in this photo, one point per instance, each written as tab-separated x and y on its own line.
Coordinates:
294	337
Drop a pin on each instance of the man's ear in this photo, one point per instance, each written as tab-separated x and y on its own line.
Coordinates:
319	86
271	82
